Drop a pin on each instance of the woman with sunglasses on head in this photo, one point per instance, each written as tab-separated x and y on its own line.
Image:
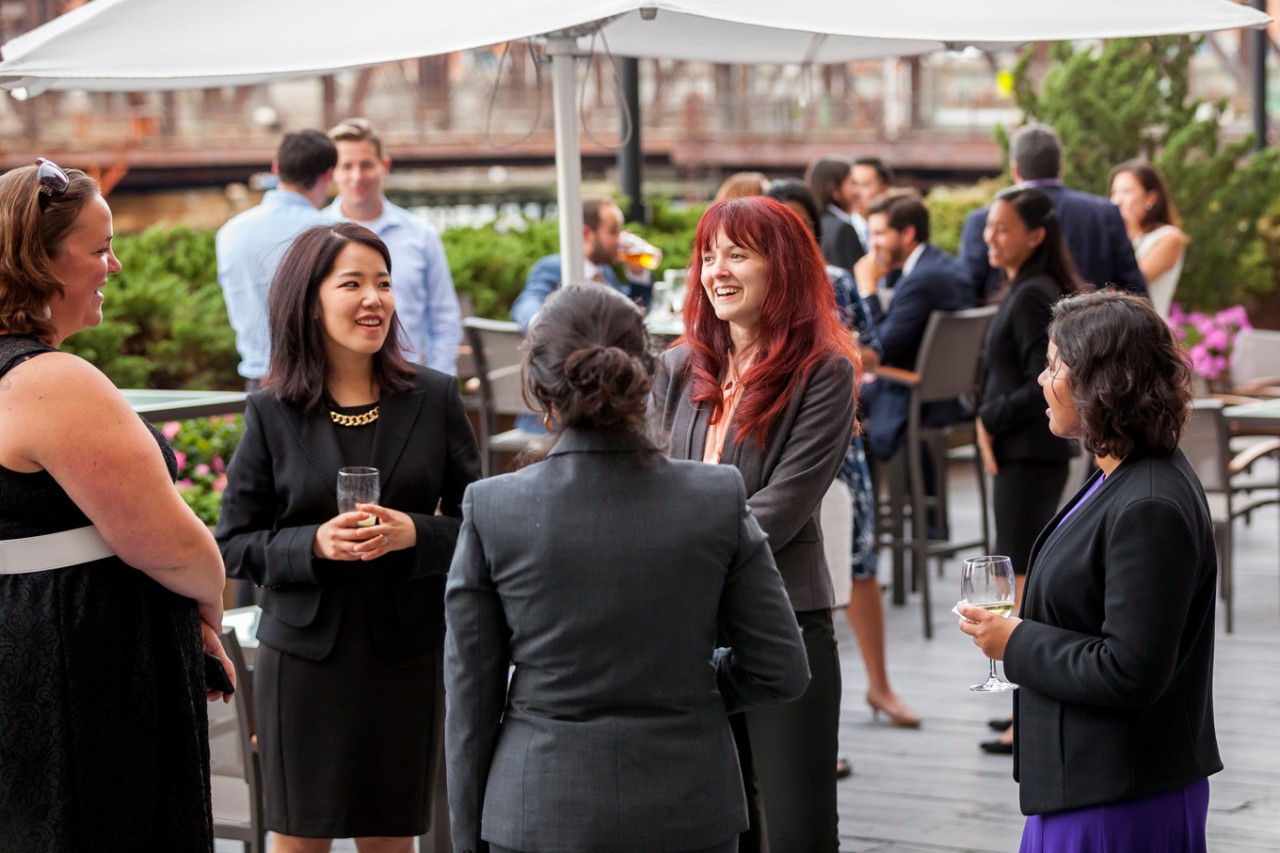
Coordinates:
1112	650
350	699
764	379
110	587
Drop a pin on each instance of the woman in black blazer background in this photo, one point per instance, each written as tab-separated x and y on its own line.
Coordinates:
348	674
764	379
1028	463
1113	653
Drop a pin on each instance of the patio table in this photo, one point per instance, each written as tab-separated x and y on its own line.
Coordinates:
160	406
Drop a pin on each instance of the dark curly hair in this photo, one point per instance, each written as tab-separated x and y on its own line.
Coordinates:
1130	381
588	364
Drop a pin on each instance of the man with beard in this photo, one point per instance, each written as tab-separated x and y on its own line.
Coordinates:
601	225
923	279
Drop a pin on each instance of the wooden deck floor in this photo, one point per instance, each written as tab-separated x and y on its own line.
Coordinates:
934	791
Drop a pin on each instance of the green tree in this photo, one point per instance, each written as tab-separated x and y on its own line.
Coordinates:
1131	98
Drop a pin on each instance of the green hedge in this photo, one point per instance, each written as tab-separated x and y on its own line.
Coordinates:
164	323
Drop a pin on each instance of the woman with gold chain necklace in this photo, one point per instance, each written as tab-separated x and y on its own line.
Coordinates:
349	684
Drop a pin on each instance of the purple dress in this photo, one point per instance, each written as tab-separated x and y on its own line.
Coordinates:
1171	822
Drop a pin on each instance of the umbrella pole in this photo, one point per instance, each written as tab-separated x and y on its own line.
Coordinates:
561	49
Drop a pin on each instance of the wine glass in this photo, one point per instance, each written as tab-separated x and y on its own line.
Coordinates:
987	582
358	485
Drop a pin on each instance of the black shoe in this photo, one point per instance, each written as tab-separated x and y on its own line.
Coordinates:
844	769
996	747
999	724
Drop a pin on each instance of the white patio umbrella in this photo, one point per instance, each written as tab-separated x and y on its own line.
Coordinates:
141	45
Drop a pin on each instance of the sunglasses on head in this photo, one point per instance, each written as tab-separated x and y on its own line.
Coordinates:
53	181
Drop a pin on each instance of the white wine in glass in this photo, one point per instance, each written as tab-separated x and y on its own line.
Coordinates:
987	582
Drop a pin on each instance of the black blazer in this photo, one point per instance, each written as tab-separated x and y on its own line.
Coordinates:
787	479
282	485
1114	657
1092	229
1014	356
604	584
840	243
935	283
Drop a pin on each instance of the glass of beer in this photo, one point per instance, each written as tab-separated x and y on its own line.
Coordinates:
633	249
358	486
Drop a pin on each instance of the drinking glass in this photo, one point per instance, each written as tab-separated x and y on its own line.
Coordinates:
634	249
987	582
358	486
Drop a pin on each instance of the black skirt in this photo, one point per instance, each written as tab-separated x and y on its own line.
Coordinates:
348	744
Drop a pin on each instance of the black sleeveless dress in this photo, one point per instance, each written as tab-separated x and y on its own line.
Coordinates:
103	722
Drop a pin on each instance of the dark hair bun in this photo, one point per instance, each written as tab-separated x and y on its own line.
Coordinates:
607	387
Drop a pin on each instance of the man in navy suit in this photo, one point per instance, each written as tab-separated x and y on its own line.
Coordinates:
601	226
1091	225
922	279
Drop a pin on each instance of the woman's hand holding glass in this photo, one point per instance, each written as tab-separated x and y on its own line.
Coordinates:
987	584
349	536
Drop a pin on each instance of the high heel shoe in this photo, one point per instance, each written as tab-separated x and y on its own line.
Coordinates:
898	713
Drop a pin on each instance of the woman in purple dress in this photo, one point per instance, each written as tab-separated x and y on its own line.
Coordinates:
1113	653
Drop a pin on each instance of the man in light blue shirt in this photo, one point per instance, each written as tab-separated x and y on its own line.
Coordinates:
426	302
250	245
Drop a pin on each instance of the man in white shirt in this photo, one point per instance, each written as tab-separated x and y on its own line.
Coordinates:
250	245
426	302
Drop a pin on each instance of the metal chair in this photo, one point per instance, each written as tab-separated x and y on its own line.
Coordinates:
1205	442
947	367
495	347
236	770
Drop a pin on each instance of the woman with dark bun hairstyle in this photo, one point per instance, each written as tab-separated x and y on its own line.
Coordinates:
1112	651
765	380
603	601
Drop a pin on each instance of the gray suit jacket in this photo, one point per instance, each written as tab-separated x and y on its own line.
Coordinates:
604	585
787	479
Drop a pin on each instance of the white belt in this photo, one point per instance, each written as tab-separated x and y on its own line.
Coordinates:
53	551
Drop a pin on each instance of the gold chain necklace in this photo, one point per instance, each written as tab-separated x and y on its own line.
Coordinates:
355	420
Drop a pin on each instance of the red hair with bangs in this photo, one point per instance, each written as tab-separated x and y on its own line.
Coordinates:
799	327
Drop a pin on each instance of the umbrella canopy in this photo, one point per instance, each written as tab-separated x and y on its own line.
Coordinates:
139	45
127	45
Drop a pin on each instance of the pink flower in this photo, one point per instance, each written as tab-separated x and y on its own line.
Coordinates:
220	484
201	470
170	430
1215	338
218	464
184	483
182	459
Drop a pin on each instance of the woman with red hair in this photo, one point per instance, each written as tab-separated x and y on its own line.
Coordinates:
765	379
